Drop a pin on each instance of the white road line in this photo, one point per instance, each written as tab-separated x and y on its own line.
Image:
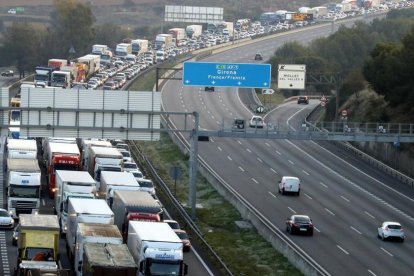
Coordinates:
267	144
228	157
273	170
291	162
241	169
260	160
372	273
278	152
305	172
317	229
329	211
43	202
356	230
272	194
248	150
212	140
201	261
344	198
308	195
255	181
383	249
343	250
369	214
323	184
220	149
238	141
219	123
293	211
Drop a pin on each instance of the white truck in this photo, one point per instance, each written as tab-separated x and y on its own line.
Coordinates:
103	159
156	248
178	35
163	41
86	211
93	233
99	49
23	186
92	63
113	181
139	46
61	79
194	31
123	49
77	184
84	146
21	149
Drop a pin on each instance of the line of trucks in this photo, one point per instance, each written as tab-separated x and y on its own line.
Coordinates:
110	225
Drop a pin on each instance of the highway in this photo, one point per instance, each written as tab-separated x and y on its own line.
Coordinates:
346	198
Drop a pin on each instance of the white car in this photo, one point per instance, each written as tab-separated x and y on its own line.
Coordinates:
257	122
289	184
146	185
6	220
137	174
130	166
391	230
126	155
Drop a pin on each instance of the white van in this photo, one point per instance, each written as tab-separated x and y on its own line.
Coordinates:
289	184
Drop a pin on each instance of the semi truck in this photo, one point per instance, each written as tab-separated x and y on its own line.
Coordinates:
194	31
23	186
84	146
103	159
163	41
94	233
61	79
108	259
38	241
132	206
156	248
77	184
57	63
123	49
178	35
21	149
59	156
86	211
139	46
43	76
92	63
112	181
99	49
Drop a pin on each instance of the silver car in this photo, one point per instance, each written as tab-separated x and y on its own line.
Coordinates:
391	230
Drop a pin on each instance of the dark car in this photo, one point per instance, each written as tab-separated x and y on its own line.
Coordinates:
303	100
299	224
238	124
258	56
8	73
173	224
209	88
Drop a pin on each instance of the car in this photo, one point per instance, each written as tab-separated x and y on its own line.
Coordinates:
303	99
172	223
299	224
182	234
6	219
391	230
146	185
238	124
122	146
109	85
7	73
289	184
130	166
12	11
257	122
137	174
209	88
126	155
92	84
258	56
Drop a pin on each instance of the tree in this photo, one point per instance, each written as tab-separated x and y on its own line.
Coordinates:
20	47
72	25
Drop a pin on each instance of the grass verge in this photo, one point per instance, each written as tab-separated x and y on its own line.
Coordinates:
245	252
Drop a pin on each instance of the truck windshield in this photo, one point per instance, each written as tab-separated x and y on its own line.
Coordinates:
66	167
162	267
59	78
41	77
24	191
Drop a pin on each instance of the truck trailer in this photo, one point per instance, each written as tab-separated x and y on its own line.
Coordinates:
23	186
156	248
123	49
139	46
163	41
103	159
77	184
132	206
94	233
194	31
108	259
113	181
86	211
38	241
21	149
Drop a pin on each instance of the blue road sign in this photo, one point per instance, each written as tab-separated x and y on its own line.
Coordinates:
226	74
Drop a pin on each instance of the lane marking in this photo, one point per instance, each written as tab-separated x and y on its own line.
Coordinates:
272	194
267	144
317	229
238	141
291	162
43	202
329	211
278	152
369	214
260	160
273	170
344	198
228	157
383	249
248	150
372	273
356	230
305	172
323	184
220	149
293	211
343	250
255	181
308	195
241	169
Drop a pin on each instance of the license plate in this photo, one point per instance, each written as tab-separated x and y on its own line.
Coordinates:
303	229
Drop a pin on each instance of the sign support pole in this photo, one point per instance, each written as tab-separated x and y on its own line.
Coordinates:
193	167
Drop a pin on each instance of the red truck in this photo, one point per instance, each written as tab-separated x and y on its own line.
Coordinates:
60	156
